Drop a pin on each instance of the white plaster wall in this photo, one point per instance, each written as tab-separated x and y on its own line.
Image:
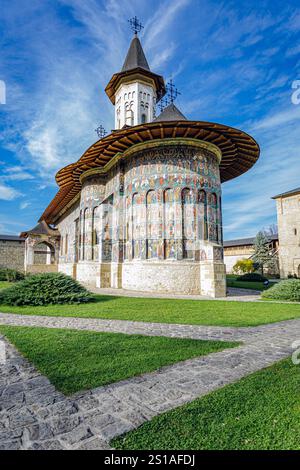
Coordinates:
86	272
135	93
182	278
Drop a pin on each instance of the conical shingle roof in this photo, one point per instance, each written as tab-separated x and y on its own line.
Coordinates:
170	113
135	56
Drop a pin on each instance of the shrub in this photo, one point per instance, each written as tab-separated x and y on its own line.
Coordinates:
243	266
255	277
10	275
43	289
284	290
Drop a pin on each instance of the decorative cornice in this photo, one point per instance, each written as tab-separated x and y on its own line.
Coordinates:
239	153
149	145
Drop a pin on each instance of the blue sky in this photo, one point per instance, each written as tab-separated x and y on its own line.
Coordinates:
233	61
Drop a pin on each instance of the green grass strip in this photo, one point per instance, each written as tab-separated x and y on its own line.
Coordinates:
79	360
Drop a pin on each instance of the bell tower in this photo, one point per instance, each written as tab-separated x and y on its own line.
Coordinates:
135	90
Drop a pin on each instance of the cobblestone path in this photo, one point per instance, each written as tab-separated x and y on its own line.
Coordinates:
34	415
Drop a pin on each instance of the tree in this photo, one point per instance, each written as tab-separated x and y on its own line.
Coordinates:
262	252
271	230
243	266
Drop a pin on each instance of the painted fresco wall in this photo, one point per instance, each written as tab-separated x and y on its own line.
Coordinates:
157	207
172	202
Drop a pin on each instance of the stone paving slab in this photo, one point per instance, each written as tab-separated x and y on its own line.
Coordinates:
34	415
172	330
131	327
233	294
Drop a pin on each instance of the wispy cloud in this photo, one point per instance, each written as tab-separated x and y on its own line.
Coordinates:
234	63
15	173
7	193
159	23
24	205
280	118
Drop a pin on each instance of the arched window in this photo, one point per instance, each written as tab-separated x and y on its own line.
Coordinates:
144	118
188	223
153	221
129	115
202	210
169	224
119	117
43	253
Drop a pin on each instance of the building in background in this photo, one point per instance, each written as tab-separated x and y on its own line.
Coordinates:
142	208
288	219
243	248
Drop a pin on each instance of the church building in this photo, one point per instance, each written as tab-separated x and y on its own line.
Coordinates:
141	209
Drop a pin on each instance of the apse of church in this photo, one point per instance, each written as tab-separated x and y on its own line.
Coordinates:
141	209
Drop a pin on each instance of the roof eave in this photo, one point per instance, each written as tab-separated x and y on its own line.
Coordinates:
112	85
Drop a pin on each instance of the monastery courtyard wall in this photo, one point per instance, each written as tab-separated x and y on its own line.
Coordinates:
288	216
12	254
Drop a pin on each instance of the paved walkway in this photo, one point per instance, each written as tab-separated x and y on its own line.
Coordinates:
33	415
233	294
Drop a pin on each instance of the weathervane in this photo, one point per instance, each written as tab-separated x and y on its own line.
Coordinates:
172	91
135	25
100	131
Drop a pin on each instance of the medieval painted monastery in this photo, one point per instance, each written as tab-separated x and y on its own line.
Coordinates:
142	208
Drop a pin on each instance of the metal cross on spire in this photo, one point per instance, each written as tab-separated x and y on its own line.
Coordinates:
162	103
172	91
100	131
135	25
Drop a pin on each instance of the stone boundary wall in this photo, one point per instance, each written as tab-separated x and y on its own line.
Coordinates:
12	254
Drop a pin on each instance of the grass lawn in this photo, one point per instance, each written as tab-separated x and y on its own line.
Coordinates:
4	284
253	285
195	312
262	411
79	360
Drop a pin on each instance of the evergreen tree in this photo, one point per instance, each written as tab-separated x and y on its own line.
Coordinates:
262	253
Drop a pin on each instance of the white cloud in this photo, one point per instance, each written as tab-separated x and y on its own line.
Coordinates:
24	205
15	173
293	51
279	118
161	20
7	193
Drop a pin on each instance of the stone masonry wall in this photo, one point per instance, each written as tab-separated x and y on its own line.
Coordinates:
12	254
288	215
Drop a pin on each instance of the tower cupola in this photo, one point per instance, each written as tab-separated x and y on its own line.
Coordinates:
136	89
